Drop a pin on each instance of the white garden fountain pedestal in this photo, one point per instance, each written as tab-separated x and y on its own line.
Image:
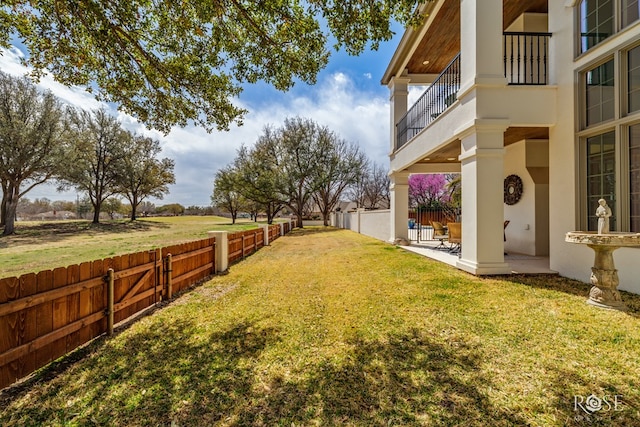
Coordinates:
604	276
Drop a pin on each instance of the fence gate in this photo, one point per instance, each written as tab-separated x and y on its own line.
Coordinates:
420	218
136	284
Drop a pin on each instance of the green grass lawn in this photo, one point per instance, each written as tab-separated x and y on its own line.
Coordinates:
39	245
328	327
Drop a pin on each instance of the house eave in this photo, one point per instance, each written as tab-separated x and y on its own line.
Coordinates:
409	42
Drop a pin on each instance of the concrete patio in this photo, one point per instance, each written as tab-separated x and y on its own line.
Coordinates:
519	263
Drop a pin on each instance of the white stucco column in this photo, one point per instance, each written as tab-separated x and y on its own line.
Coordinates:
265	230
399	88
481	51
482	159
399	192
222	250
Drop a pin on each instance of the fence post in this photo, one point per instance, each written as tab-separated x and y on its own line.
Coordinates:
160	272
265	229
222	250
282	228
110	302
169	283
213	247
358	217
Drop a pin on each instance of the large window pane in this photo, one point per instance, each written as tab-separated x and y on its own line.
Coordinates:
596	22
601	176
630	12
634	79
634	178
600	93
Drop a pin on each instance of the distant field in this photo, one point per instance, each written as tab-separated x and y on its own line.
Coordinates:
42	245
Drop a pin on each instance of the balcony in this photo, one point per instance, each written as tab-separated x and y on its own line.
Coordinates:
525	58
525	63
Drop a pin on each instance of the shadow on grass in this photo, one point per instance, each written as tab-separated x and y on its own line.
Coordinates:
312	230
168	375
152	378
570	391
406	379
56	231
571	287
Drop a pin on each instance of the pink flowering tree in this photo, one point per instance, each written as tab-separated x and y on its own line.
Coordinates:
428	190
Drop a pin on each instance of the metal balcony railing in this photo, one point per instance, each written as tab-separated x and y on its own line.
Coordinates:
437	98
525	63
526	58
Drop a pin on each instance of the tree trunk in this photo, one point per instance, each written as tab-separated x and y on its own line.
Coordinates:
96	214
299	216
325	218
10	218
3	209
134	206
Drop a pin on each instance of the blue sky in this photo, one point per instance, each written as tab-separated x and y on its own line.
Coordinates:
348	98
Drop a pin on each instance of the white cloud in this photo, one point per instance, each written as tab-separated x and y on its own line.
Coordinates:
361	117
414	93
368	76
10	64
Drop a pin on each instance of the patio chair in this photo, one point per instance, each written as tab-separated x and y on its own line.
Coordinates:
455	236
439	233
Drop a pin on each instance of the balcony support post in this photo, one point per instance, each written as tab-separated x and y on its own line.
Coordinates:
482	158
481	45
399	192
399	93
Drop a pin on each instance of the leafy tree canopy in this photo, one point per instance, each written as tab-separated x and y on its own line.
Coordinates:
32	136
171	62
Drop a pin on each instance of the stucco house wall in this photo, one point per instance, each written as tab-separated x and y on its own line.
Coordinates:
553	171
374	224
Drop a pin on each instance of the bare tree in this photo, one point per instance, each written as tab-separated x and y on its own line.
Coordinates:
371	188
376	188
32	136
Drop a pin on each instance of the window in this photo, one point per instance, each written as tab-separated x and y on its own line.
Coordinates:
601	175
610	134
630	12
600	96
596	22
634	79
634	178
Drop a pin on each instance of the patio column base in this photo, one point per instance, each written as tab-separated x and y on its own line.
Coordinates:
484	268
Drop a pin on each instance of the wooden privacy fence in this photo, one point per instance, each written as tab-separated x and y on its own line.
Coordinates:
245	243
425	216
45	315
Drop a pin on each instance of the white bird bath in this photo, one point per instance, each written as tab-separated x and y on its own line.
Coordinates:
604	276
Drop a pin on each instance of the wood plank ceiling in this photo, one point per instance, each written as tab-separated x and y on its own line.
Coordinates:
442	40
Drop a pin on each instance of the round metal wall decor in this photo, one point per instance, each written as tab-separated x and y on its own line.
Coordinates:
512	189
